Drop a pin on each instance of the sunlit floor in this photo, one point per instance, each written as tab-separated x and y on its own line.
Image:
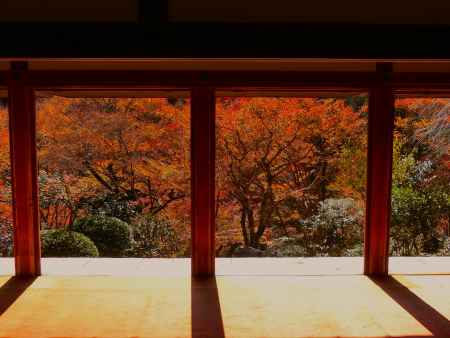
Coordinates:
250	297
230	266
227	306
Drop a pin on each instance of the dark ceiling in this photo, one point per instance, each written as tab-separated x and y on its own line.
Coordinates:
155	33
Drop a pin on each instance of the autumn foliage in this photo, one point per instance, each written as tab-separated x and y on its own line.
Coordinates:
290	175
6	227
278	158
123	158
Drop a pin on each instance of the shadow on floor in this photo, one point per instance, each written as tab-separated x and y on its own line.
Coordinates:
207	318
206	314
12	290
430	318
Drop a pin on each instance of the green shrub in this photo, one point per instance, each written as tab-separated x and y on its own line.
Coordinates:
63	243
111	235
335	230
416	214
154	238
6	238
286	247
119	205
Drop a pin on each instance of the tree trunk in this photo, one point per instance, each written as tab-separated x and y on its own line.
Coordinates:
243	228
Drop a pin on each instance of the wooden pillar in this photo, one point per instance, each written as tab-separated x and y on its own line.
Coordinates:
379	174
203	180
22	122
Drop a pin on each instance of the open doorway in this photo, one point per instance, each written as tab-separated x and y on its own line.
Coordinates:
291	184
420	206
114	183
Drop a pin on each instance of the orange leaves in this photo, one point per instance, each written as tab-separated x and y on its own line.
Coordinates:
5	188
276	152
138	147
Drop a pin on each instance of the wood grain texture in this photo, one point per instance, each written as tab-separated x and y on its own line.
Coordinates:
22	118
379	176
203	180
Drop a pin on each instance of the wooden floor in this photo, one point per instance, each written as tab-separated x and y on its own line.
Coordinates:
406	306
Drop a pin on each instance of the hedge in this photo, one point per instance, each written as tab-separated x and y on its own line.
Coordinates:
63	243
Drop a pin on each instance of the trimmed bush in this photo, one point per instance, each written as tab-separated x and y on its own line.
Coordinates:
111	235
63	243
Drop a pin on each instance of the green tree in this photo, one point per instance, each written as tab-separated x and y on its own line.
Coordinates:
420	203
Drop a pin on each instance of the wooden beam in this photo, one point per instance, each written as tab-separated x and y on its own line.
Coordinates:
22	121
421	81
244	80
304	82
203	181
379	175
